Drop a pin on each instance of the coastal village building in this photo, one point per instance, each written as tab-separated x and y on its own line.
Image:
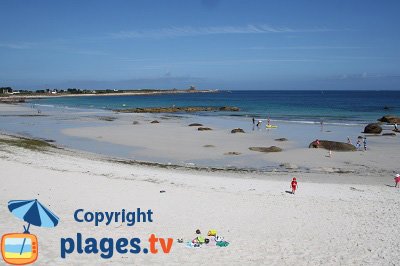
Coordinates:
6	90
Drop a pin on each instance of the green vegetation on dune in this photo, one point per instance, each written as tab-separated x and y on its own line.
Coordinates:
31	144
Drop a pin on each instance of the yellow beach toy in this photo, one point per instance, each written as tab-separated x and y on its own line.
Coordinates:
212	232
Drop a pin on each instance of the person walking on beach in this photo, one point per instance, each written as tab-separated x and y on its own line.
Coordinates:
254	121
365	143
294	185
395	127
397	180
348	140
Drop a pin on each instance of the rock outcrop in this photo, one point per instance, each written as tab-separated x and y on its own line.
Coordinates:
266	149
232	153
204	128
195	125
229	108
373	128
237	130
281	139
154	122
389	134
187	109
390	119
332	145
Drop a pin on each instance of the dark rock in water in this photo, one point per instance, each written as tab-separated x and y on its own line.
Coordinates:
332	145
389	134
195	125
391	119
237	130
232	153
229	108
281	139
154	122
386	108
360	137
266	149
209	146
135	123
203	128
373	128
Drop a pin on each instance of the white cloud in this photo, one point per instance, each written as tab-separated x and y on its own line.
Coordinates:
21	46
195	31
317	47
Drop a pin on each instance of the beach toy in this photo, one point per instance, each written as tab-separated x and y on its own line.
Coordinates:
222	244
201	239
198	231
212	232
218	238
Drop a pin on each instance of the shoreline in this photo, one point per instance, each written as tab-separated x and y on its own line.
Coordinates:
171	142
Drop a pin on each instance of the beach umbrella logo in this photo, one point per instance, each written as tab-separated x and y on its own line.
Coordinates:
22	248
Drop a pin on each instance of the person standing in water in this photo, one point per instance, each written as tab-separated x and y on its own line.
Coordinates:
294	185
365	143
254	121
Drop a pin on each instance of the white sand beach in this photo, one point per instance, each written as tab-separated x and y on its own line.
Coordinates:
344	212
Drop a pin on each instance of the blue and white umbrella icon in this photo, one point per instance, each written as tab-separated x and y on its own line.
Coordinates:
32	212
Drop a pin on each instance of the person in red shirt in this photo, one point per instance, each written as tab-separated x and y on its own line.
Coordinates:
294	185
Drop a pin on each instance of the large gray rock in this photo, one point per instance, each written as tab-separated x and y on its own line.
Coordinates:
390	119
332	145
373	128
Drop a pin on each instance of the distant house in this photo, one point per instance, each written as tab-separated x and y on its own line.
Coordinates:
6	90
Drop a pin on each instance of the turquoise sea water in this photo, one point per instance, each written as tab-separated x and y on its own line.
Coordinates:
301	106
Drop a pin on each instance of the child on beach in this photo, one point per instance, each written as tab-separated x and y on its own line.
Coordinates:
397	180
358	145
294	185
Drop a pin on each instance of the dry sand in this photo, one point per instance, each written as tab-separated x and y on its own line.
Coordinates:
323	224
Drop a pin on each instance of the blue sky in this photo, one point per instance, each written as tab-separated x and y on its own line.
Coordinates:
227	44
